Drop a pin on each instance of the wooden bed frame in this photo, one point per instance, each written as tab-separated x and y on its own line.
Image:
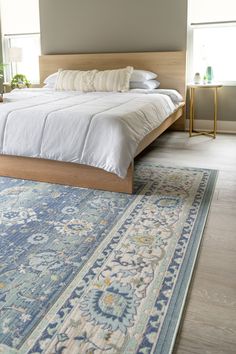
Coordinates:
170	67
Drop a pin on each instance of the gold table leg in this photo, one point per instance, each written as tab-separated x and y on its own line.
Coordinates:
215	111
193	132
191	111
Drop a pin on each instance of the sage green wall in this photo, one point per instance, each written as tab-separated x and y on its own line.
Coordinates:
84	26
226	104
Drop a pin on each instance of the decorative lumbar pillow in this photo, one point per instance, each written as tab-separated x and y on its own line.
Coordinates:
113	80
75	80
142	75
94	80
148	85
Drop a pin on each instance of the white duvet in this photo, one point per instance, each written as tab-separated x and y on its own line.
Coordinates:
96	129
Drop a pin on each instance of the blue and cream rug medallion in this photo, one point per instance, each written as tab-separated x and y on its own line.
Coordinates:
84	271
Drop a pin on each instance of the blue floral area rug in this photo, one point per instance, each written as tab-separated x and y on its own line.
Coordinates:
85	271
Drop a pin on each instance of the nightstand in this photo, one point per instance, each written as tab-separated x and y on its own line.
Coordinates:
192	88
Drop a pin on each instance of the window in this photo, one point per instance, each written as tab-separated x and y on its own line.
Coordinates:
21	38
212	33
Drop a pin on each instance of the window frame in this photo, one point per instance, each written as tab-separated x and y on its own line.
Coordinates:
190	46
6	44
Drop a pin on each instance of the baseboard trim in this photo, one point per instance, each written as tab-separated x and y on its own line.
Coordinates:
222	126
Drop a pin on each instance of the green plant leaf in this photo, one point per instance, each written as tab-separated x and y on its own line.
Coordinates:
19	81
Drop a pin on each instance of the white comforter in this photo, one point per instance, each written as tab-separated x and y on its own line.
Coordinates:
96	129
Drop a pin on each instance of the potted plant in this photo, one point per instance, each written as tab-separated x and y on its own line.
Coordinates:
19	81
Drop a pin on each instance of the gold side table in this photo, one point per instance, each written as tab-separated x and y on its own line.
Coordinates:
192	88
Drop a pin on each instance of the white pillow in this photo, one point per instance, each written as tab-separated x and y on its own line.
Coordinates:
49	86
94	80
142	75
149	84
50	81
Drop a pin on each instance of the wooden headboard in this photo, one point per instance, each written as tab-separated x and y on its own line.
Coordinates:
170	66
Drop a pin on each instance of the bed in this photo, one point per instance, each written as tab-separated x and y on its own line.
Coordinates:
61	167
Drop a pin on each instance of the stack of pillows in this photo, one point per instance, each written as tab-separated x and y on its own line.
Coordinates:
119	80
143	79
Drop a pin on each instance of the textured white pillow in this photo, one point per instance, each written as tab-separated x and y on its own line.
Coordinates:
75	80
94	80
142	75
113	80
148	85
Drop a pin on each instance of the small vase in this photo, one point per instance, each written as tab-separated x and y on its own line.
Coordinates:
209	74
197	78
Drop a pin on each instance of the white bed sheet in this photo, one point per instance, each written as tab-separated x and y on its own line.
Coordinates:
97	129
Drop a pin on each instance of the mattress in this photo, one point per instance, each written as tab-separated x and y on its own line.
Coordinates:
97	129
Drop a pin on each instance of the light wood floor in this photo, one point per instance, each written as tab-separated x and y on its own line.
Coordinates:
209	322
